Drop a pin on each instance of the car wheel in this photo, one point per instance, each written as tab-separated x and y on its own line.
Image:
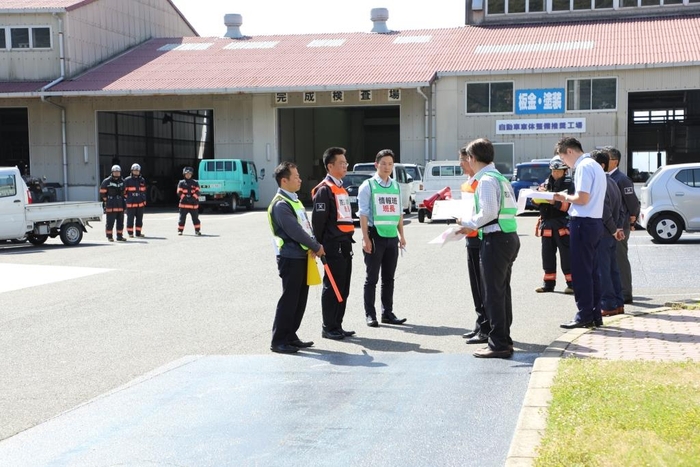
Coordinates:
666	228
421	215
251	202
37	239
71	234
233	203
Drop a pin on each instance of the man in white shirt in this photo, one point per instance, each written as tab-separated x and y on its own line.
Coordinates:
586	230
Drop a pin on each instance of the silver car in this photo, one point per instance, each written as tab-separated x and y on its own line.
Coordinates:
671	202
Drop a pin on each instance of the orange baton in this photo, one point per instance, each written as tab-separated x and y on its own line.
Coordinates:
330	278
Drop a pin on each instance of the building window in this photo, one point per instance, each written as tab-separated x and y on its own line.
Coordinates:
496	7
41	38
489	98
536	6
19	38
591	94
582	4
516	6
658	116
603	4
25	38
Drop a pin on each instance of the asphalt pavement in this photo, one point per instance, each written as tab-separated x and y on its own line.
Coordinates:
161	345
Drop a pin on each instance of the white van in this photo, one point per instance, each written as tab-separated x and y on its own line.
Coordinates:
416	172
404	180
438	175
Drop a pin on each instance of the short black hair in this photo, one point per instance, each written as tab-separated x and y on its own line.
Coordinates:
481	149
284	170
383	153
601	157
330	153
613	153
567	142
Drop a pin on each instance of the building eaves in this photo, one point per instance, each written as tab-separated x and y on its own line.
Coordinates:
41	6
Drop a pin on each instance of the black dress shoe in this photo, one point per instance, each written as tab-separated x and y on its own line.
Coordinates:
301	344
372	321
470	334
628	301
478	339
392	319
347	333
488	352
284	348
573	324
598	323
334	335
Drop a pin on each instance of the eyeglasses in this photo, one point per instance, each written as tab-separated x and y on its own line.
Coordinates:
342	164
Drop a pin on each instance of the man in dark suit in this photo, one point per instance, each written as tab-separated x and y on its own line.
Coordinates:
630	203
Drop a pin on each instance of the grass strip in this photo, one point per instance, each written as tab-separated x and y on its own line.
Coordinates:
623	413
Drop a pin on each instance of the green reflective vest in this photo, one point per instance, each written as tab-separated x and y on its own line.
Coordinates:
303	219
506	214
385	203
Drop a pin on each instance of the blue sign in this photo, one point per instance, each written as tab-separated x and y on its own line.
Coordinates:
539	101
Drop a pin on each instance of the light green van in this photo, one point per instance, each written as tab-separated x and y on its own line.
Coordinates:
228	184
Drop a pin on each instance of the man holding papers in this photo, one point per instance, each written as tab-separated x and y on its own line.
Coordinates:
494	220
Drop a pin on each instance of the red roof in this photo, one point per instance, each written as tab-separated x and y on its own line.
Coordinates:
12	87
49	5
401	59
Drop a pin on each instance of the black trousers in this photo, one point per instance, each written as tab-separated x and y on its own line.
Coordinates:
113	217
586	233
195	219
473	258
384	257
550	245
134	214
498	253
292	303
339	260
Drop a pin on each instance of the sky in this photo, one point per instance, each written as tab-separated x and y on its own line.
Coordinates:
272	17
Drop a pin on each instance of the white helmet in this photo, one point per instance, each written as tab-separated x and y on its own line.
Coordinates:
135	167
116	168
557	164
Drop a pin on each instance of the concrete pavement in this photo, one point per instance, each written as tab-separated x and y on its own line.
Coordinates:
670	333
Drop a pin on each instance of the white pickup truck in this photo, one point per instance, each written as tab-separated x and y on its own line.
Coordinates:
438	175
19	219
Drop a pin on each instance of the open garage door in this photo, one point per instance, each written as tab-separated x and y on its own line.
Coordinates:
162	142
663	128
14	138
304	133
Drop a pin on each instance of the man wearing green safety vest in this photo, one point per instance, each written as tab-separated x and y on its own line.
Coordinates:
293	240
494	219
381	220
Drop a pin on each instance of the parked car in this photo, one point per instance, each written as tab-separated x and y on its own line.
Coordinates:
671	202
351	183
530	175
41	191
416	172
399	174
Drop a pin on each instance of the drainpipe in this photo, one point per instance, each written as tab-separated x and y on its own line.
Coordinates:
433	91
426	119
64	143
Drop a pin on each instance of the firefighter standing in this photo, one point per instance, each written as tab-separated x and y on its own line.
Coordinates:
135	193
112	194
552	227
188	192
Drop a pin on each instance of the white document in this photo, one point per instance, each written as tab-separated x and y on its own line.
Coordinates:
453	209
449	235
526	193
